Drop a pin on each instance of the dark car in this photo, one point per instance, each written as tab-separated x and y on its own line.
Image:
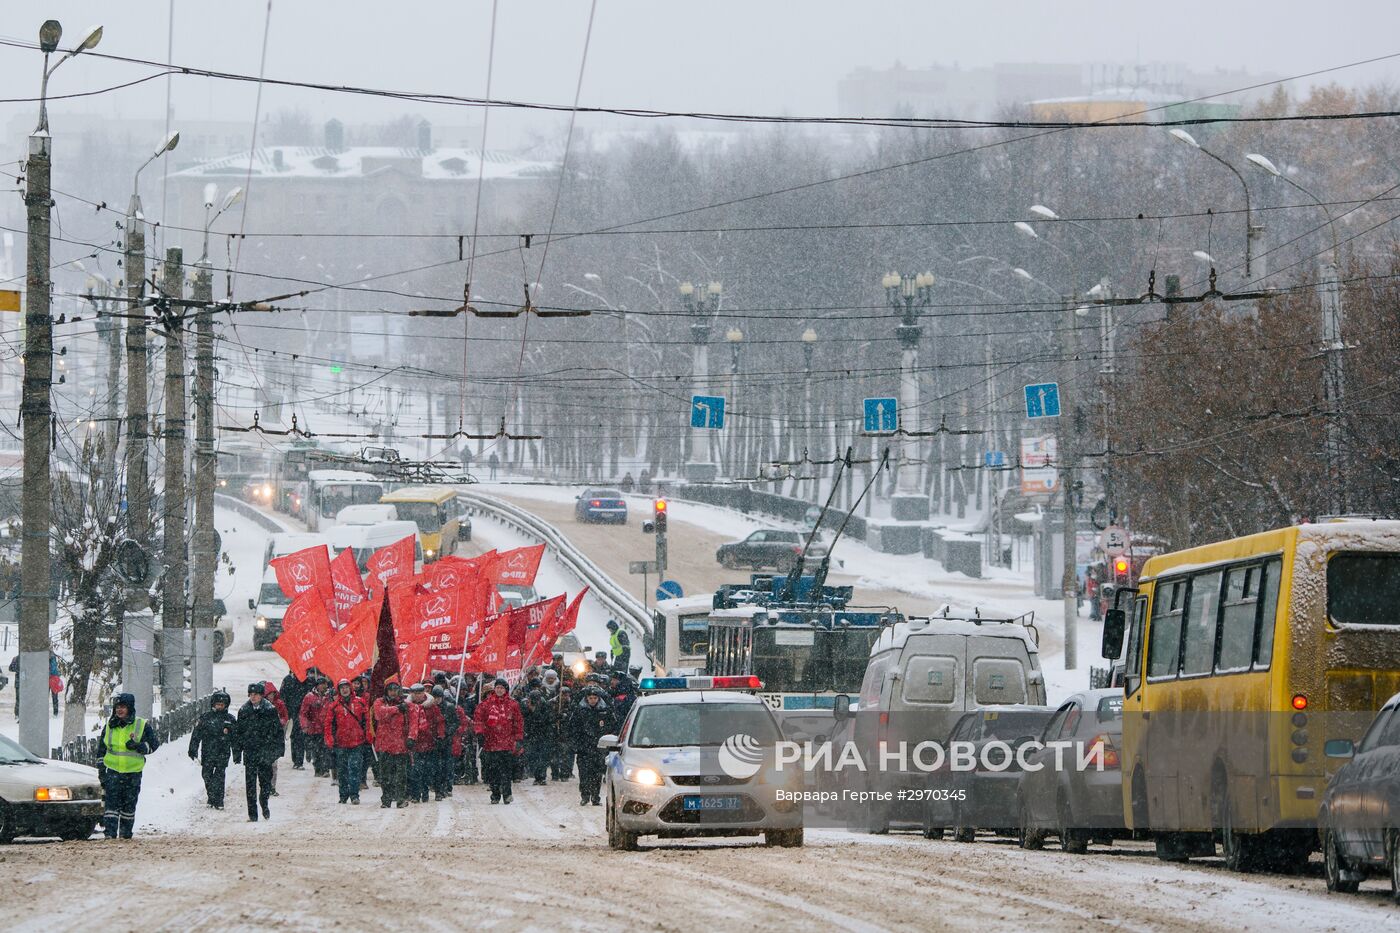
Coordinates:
986	799
779	550
1359	820
600	505
1076	805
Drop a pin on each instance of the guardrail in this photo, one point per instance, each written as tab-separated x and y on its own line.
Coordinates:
746	499
181	720
616	600
249	512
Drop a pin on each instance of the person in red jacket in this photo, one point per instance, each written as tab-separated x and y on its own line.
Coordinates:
501	728
271	696
395	731
431	729
311	724
346	722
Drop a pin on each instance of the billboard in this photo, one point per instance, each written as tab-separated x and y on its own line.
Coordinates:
1038	474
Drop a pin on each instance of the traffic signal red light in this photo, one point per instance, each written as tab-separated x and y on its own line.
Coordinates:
1120	567
659	509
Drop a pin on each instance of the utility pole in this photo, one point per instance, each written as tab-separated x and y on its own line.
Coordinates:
206	557
1067	454
701	303
111	335
36	411
173	611
1334	389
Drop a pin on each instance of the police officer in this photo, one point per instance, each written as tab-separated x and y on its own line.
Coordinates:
592	719
620	645
125	742
214	733
258	741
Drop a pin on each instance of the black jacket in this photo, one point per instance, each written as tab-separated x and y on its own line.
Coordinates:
539	721
214	732
589	724
259	734
293	692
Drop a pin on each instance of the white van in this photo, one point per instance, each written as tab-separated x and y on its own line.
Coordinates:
364	540
287	542
268	610
367	514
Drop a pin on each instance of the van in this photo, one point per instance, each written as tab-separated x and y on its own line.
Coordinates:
268	610
364	540
434	512
289	542
923	674
366	514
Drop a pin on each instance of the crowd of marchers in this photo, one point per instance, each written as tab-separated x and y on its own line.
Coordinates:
417	742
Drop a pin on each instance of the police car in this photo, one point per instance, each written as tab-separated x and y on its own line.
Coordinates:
696	758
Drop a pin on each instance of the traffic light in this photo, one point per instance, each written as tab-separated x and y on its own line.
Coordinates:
1120	569
659	515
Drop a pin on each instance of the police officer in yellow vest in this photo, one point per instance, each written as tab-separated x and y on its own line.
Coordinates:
620	645
126	741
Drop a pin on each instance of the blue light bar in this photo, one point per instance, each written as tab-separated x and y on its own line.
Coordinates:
664	683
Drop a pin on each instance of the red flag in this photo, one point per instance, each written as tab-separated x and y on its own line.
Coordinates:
348	585
569	618
518	567
350	651
541	625
400	598
413	662
304	628
491	654
304	570
391	562
386	658
450	571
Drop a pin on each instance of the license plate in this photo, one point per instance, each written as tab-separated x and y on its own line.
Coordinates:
712	803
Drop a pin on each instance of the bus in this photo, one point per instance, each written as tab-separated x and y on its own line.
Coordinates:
1242	659
680	633
326	492
434	510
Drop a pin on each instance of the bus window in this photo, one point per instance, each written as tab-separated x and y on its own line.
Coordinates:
1268	616
1198	636
694	633
1164	640
1363	589
1238	618
1132	668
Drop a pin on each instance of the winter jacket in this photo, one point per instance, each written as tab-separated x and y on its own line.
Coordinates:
431	727
258	735
395	727
450	722
589	724
499	723
293	692
345	723
463	731
539	723
214	732
310	717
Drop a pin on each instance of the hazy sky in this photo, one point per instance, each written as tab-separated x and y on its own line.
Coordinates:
737	55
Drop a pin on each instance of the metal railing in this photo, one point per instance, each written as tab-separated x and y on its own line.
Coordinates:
615	599
252	513
181	720
745	499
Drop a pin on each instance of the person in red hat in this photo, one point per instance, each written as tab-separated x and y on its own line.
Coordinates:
395	732
346	724
502	729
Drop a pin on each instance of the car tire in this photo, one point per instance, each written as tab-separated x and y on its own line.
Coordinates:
877	820
1241	851
77	833
218	647
783	838
1029	838
618	838
1392	861
962	833
1073	840
1333	866
926	824
8	827
728	561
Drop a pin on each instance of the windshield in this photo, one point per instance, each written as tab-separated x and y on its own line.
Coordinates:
271	595
808	660
602	494
336	496
1011	726
667	725
428	516
1363	589
11	753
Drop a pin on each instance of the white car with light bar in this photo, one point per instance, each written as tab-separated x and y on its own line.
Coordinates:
39	797
696	758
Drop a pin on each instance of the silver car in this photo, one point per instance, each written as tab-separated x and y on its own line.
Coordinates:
700	763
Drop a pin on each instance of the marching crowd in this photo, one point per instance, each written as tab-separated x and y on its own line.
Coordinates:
421	741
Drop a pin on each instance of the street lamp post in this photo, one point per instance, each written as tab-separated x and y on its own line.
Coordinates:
700	303
735	338
1253	233
36	411
908	294
1337	454
809	344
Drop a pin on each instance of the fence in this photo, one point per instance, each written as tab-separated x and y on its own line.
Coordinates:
261	518
84	750
745	499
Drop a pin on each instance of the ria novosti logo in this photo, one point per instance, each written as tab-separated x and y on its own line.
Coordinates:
740	756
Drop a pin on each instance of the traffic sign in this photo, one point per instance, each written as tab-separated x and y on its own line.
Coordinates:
643	566
1043	400
669	589
881	416
707	411
994	458
1114	540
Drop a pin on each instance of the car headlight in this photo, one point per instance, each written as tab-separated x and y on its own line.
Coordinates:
428	553
53	793
260	622
580	668
645	776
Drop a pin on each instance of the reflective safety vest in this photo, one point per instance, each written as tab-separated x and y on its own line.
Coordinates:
118	757
615	643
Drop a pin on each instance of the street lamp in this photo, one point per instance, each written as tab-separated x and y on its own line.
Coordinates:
908	294
170	143
809	344
36	414
701	303
1251	231
211	192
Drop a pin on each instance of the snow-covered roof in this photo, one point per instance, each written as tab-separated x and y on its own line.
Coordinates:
341	476
362	161
895	636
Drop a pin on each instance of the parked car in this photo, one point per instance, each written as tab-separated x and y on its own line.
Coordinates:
779	550
600	505
515	595
40	797
1076	806
1359	820
986	799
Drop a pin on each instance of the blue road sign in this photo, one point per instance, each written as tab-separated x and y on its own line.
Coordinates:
1043	400
707	411
669	589
881	416
994	458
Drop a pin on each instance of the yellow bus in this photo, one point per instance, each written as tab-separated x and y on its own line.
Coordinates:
1243	658
434	510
